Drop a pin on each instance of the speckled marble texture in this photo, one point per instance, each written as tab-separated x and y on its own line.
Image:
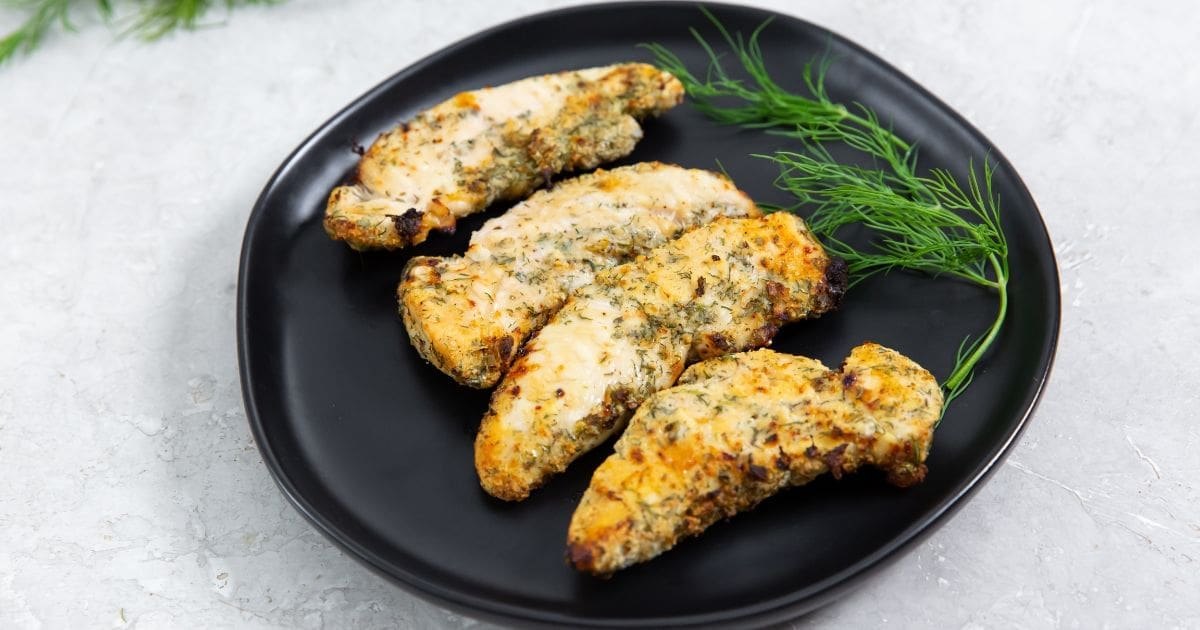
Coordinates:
131	493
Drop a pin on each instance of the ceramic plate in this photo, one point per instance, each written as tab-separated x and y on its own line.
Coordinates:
374	446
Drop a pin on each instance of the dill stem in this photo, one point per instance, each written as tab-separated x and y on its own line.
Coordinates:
964	369
925	223
867	124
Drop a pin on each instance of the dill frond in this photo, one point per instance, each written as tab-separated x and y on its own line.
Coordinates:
148	19
931	224
43	14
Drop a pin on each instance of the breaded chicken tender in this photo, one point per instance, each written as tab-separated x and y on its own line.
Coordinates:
468	315
491	144
724	287
739	428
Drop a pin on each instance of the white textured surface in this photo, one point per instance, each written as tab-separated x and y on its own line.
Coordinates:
130	490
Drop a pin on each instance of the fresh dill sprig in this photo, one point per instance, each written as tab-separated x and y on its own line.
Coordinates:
161	17
151	20
762	103
930	224
941	229
42	16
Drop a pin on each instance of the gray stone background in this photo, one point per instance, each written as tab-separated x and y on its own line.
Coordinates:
131	493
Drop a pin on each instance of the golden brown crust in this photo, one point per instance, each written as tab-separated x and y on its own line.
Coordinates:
470	314
721	288
492	144
739	428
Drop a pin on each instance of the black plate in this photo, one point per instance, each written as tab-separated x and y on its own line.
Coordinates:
375	447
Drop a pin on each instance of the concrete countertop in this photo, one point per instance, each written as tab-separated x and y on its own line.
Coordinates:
131	492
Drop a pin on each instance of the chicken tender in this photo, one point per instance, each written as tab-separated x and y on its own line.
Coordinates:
738	429
491	144
721	288
469	315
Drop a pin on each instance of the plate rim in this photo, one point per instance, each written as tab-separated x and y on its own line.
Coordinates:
767	611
